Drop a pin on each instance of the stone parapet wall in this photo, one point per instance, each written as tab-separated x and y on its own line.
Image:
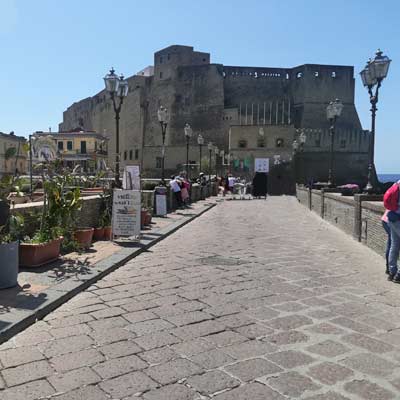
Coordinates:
358	215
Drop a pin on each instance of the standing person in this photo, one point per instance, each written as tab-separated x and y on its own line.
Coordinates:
231	183
185	189
260	184
176	189
386	227
391	201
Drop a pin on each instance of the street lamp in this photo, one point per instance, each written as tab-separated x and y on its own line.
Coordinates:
200	142
162	115
333	111
216	151
188	135
372	75
210	149
117	87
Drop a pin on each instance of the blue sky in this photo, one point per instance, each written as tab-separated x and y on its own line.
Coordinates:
55	52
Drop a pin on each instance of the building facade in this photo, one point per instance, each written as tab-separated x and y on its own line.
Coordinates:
86	149
216	99
13	154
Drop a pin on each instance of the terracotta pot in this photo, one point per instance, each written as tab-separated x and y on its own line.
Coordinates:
147	219
84	237
107	233
143	214
98	234
37	254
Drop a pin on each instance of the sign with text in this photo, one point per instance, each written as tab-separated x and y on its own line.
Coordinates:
131	177
126	212
261	165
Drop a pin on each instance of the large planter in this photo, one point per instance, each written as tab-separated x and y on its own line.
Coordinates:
37	254
107	233
4	212
84	237
147	219
8	265
98	234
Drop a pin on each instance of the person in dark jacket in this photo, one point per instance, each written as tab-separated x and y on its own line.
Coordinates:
260	183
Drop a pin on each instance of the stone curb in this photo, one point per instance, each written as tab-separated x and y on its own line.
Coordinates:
57	297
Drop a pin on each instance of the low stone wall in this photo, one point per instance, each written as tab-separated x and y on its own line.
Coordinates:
358	215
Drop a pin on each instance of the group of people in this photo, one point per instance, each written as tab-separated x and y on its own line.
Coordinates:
180	186
226	184
391	224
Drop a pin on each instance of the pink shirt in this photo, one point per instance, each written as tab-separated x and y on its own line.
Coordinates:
385	217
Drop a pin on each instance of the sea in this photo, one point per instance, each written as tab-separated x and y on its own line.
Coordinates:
388	177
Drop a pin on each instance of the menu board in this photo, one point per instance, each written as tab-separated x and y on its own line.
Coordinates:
126	212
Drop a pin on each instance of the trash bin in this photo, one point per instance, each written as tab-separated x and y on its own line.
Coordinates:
160	201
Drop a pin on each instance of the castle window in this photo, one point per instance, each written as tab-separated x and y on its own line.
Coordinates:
204	60
343	144
299	75
125	155
136	154
130	154
317	142
158	162
287	76
160	60
333	74
279	142
168	56
261	142
160	75
316	74
242	143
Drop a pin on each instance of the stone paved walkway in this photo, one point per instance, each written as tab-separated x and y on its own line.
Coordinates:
255	300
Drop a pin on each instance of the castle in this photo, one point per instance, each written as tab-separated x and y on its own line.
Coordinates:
228	105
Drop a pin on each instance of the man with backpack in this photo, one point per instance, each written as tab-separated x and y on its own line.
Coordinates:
391	201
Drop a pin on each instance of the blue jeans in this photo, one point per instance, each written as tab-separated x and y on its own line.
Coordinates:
395	246
386	227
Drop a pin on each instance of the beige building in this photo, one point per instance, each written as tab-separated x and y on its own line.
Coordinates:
13	154
88	149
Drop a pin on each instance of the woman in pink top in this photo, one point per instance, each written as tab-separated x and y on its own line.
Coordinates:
386	227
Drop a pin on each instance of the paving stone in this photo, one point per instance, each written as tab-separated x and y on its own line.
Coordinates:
292	384
252	391
70	361
108	323
31	338
212	359
290	358
225	309
172	371
326	329
328	348
262	313
254	331
66	345
212	382
108	312
188	318
28	391
353	325
368	390
368	343
159	355
289	322
74	330
73	379
196	330
249	349
158	339
127	384
287	337
87	393
191	347
327	396
252	369
69	321
27	372
119	349
225	338
150	326
104	336
20	355
236	320
139	316
329	373
370	364
119	366
171	392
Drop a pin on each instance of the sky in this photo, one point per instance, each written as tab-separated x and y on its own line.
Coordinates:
56	52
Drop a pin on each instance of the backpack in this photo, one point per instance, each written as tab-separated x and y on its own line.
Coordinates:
391	198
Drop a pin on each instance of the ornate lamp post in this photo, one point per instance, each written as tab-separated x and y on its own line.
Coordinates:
222	155
162	115
200	142
372	76
333	111
216	151
118	88
210	149
188	135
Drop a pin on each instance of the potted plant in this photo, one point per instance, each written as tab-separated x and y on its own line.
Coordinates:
106	213
84	237
56	221
98	233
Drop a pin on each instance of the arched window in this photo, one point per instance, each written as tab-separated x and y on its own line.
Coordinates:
260	142
279	142
242	143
